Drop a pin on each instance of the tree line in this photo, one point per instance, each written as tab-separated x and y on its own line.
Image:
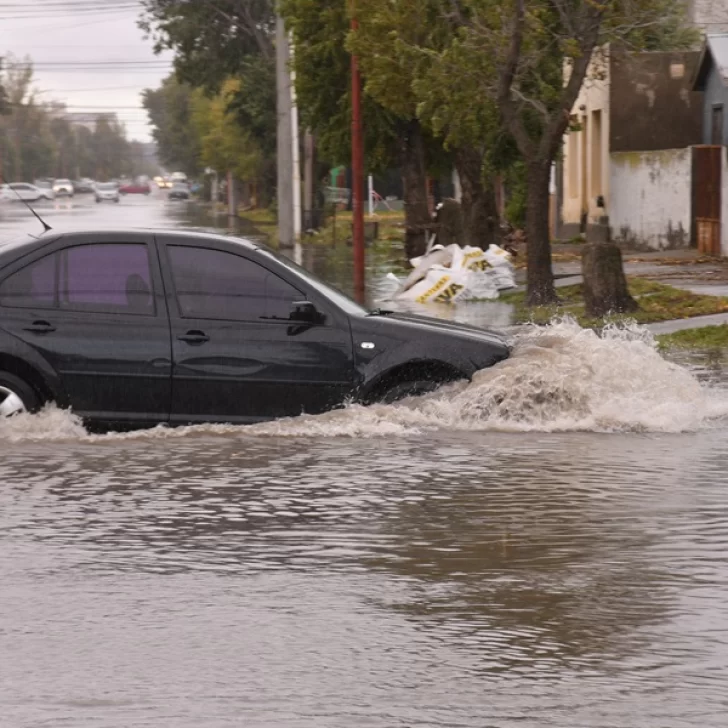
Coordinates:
37	139
482	86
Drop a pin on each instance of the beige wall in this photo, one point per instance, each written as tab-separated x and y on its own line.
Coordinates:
586	152
711	16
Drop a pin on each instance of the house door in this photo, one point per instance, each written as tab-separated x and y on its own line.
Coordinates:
716	134
707	198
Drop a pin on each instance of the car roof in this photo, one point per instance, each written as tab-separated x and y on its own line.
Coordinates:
17	247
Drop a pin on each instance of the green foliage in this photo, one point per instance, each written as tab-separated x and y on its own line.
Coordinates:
170	109
214	43
516	177
323	85
211	40
223	143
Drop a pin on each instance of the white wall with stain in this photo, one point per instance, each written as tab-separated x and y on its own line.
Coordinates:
650	204
724	202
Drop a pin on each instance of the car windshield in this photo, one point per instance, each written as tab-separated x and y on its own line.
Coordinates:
63	181
334	294
106	186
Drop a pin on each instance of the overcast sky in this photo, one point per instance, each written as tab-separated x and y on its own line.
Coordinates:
88	54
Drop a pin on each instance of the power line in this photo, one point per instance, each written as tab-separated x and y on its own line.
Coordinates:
74	64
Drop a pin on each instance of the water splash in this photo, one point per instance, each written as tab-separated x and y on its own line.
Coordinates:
559	378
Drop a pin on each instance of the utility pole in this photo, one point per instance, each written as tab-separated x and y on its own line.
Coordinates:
308	147
357	171
284	143
295	148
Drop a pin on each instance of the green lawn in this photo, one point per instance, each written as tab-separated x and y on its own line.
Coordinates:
657	301
706	337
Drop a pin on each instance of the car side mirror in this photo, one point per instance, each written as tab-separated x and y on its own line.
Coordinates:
305	312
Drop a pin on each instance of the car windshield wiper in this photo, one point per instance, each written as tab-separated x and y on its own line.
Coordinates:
380	312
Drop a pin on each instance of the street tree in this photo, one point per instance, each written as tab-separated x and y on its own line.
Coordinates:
393	135
215	42
400	46
531	58
170	109
224	144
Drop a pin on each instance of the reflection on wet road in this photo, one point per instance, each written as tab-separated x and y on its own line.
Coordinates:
503	580
299	578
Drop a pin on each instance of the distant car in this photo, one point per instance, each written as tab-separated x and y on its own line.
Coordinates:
106	192
63	187
83	186
135	189
16	191
179	191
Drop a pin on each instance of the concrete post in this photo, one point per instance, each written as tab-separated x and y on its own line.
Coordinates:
286	235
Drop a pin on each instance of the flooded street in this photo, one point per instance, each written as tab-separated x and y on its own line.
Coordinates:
546	546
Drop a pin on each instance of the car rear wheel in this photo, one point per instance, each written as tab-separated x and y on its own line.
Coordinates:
413	388
16	396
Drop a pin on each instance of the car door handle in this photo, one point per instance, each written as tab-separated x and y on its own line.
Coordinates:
194	337
40	327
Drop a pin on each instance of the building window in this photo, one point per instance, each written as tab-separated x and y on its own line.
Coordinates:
572	163
596	155
716	125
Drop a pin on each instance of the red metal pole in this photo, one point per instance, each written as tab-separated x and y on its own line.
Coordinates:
357	173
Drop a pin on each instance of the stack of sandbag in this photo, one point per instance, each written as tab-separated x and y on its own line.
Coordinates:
454	273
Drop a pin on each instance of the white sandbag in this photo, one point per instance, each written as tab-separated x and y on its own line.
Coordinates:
454	273
497	256
438	257
503	277
440	285
468	258
480	285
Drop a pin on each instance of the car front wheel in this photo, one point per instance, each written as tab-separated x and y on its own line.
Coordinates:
413	388
16	396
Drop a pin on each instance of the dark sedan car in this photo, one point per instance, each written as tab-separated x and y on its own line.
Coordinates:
179	191
134	328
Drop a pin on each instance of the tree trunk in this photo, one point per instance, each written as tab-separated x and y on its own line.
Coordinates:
480	214
539	277
450	223
605	286
418	222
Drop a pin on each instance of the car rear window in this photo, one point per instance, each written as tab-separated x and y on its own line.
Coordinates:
106	278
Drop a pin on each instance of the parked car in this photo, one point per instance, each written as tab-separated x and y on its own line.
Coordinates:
63	187
16	191
136	328
135	189
179	191
106	192
84	186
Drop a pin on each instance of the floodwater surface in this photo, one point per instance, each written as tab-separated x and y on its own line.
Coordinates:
544	546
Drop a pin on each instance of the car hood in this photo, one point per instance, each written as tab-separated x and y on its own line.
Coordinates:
432	325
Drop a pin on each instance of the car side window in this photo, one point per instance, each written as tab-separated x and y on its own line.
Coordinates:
106	278
218	285
31	287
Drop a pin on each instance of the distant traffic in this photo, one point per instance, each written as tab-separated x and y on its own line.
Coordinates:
176	185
